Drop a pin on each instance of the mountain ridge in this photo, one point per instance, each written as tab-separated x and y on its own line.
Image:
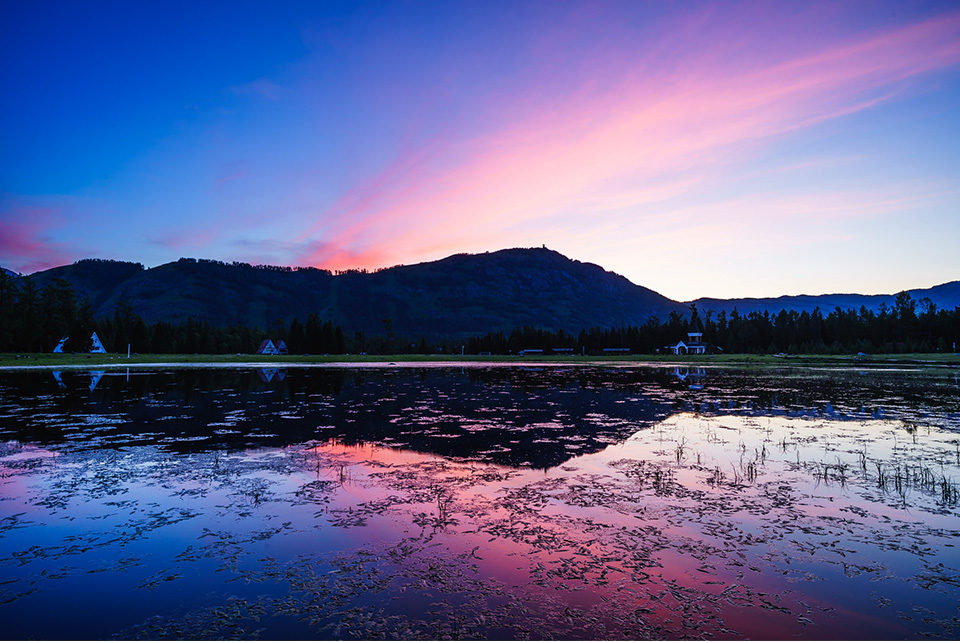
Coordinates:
460	295
945	295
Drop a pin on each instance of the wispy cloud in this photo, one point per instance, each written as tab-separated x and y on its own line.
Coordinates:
233	172
618	133
634	141
27	243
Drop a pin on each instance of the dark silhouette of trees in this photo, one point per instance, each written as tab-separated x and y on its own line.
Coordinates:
910	326
33	321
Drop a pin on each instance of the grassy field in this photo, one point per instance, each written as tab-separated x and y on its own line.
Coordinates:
50	360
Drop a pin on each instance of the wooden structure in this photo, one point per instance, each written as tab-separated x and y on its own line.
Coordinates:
693	346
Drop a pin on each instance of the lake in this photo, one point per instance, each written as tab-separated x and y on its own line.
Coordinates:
501	502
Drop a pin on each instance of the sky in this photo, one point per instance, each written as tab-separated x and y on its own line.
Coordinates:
701	149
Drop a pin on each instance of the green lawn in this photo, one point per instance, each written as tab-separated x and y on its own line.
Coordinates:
82	360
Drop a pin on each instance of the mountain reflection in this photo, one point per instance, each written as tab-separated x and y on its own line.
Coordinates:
521	417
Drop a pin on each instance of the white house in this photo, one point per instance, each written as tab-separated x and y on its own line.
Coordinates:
693	346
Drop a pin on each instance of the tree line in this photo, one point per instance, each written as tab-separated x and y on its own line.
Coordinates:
33	320
910	326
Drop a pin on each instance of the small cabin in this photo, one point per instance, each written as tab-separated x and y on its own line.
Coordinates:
693	346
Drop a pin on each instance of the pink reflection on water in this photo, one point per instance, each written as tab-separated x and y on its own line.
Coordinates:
17	462
726	525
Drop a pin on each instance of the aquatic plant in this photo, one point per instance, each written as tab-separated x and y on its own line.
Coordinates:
736	475
442	504
751	472
949	491
881	476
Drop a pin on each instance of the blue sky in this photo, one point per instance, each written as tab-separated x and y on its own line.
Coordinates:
698	148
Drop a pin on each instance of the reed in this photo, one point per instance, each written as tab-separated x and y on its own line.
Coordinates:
949	491
442	504
841	468
751	471
681	444
881	476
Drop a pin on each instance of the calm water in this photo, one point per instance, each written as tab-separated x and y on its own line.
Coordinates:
480	502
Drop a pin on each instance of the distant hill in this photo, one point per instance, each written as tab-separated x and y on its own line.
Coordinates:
462	295
944	296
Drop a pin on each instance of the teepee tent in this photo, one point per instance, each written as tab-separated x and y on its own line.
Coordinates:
96	346
267	348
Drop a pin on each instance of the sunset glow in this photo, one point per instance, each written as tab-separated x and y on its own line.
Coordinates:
699	149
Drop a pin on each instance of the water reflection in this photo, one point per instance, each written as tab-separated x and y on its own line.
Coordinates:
271	374
511	416
695	375
479	503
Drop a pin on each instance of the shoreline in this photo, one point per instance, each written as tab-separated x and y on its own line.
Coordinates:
34	361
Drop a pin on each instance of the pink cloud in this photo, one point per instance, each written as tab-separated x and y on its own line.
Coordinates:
27	245
337	257
637	139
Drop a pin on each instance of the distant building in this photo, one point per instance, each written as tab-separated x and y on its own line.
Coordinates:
267	348
693	346
282	348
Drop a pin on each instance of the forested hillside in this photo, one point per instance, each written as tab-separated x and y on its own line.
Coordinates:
500	302
461	296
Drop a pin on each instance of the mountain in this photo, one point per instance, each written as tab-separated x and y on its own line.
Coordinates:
944	296
462	295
